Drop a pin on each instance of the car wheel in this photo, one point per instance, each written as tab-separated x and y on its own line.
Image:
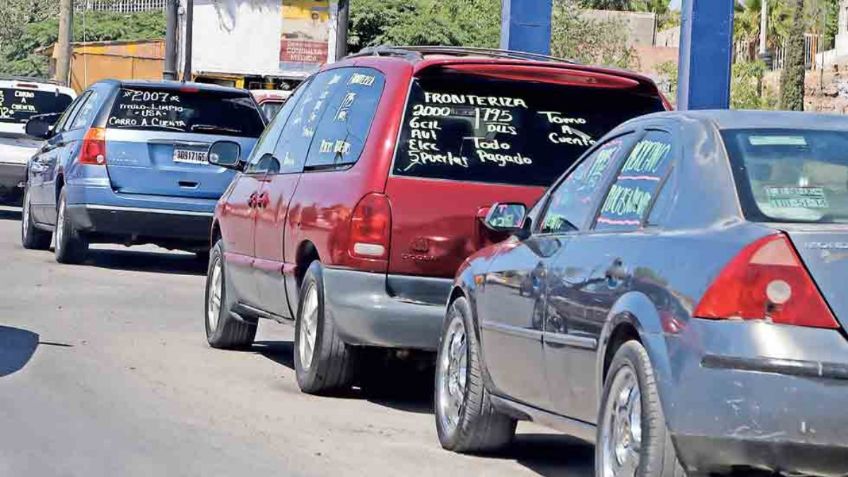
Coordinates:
223	330
32	238
633	438
71	246
323	363
466	420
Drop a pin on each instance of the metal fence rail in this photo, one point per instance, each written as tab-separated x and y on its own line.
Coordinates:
122	6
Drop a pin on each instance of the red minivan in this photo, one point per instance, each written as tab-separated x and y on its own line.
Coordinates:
368	190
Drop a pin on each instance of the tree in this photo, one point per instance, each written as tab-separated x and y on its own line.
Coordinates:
16	14
18	55
587	40
792	76
424	22
659	7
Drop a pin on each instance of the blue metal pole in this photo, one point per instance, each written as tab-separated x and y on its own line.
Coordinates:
706	53
526	25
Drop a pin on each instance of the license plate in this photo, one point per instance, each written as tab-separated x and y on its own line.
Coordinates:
190	156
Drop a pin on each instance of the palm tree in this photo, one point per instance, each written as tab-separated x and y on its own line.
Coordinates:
746	24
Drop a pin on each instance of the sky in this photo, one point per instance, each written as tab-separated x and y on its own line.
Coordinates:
675	4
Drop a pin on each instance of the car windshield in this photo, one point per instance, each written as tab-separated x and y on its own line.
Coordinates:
471	128
18	105
790	175
186	111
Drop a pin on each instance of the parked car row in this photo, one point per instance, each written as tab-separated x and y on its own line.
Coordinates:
664	285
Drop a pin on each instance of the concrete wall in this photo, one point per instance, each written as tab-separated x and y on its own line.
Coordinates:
641	26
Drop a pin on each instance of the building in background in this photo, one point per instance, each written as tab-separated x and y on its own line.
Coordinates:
94	61
121	6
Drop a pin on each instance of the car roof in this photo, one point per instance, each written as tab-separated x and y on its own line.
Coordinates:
423	57
746	119
175	85
39	84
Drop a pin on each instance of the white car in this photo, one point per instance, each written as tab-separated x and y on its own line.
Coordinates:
21	99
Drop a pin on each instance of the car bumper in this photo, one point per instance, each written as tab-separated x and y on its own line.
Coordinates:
12	175
366	313
141	224
759	396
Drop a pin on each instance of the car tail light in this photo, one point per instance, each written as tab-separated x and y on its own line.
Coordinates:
93	150
370	226
767	281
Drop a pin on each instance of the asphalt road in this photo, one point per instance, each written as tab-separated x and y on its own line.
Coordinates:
104	370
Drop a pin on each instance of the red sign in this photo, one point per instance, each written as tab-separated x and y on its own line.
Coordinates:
304	51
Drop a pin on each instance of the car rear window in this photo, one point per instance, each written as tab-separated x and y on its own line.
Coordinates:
201	112
18	105
790	175
471	128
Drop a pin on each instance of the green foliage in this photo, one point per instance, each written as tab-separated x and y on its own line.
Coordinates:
18	56
424	22
656	6
587	40
668	73
792	76
746	87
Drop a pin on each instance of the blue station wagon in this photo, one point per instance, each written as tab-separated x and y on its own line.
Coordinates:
126	163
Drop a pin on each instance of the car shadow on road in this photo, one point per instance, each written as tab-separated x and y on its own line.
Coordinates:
143	261
8	213
279	352
551	454
16	348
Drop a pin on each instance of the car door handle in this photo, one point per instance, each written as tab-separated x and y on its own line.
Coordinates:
263	200
251	201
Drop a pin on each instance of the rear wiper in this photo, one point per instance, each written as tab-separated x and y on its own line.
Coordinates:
213	128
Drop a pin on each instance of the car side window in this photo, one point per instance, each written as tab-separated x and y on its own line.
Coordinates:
342	131
70	113
262	157
87	110
632	194
300	129
571	204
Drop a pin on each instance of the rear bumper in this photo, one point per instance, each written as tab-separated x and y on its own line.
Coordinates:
141	225
758	396
367	314
12	174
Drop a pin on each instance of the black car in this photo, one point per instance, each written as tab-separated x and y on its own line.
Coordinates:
686	308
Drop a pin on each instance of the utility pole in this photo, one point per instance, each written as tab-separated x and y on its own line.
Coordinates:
341	29
188	39
763	28
66	35
170	70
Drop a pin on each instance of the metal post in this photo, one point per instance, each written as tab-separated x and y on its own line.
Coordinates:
66	35
188	39
706	40
171	10
341	28
763	28
526	25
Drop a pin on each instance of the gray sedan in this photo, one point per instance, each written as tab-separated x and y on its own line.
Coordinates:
689	314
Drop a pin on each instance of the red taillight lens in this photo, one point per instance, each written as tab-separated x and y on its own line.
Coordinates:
767	281
370	226
93	150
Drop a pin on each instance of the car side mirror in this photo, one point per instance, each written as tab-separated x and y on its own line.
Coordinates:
225	154
38	127
506	217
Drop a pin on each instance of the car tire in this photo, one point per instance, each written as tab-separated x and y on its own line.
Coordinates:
71	246
633	437
466	419
32	238
323	363
223	330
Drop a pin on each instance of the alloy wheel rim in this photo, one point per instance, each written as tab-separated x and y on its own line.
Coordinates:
215	292
622	431
453	371
308	327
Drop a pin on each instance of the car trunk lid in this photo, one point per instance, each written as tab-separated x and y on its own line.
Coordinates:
157	139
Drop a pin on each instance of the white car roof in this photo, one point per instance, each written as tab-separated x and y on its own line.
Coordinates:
36	85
